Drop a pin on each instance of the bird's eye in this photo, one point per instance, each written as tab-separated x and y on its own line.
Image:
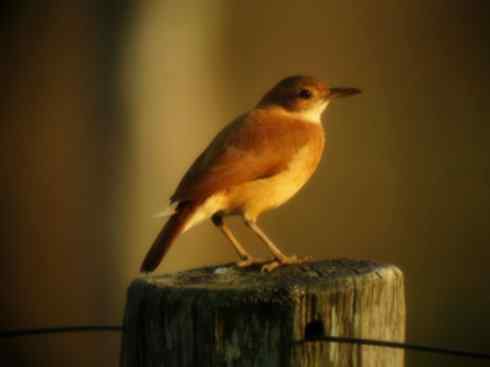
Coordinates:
305	94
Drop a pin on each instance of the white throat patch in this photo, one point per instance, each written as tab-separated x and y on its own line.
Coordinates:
313	115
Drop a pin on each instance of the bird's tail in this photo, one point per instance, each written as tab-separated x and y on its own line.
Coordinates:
167	235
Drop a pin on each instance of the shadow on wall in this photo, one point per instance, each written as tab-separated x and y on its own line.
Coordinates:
64	139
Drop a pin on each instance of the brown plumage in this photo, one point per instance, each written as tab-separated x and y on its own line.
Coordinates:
167	235
257	145
255	163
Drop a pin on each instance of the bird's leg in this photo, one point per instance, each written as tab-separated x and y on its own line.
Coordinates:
280	258
245	258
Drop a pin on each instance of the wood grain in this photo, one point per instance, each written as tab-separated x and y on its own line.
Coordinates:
224	316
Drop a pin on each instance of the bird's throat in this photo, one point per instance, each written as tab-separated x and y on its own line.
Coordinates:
312	115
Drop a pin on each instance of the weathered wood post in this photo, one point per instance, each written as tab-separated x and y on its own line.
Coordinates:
224	316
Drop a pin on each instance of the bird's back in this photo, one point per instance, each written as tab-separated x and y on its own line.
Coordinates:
255	147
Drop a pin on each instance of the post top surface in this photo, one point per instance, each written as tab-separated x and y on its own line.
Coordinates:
311	274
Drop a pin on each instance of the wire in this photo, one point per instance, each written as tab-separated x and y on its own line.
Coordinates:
330	339
59	329
397	345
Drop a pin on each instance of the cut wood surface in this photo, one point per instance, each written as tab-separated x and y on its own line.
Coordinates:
226	316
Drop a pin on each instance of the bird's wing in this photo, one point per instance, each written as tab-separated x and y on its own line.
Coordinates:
254	146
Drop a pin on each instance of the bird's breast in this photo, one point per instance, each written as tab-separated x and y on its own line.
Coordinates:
254	197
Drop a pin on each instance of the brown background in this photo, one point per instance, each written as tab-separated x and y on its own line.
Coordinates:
105	106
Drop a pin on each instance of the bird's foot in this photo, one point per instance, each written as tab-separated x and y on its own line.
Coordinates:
286	260
250	261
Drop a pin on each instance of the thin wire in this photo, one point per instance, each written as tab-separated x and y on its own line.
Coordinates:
397	345
59	329
331	339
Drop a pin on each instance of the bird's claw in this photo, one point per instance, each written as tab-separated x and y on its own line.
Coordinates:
250	261
287	260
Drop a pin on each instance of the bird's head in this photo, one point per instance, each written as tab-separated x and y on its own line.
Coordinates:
303	97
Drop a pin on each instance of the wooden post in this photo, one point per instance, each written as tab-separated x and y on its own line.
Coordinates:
225	316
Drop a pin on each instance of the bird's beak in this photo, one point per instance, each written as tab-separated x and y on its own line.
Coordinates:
339	92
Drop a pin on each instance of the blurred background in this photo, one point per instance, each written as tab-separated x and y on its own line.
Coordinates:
106	104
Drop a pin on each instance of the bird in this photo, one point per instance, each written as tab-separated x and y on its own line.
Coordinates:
254	164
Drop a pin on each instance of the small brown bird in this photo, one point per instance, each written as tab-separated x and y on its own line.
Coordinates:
256	163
